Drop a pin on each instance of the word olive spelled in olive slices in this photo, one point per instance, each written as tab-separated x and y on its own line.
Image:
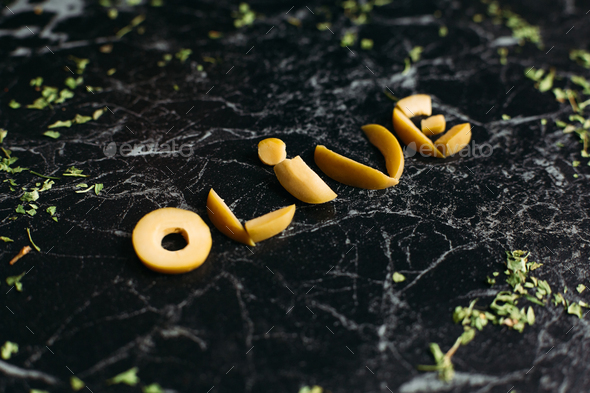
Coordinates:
448	144
301	182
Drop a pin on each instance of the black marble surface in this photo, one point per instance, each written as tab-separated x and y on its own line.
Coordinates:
315	305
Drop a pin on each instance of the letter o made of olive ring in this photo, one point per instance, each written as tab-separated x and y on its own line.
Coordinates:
151	229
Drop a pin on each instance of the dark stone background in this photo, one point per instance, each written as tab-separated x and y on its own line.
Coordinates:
315	305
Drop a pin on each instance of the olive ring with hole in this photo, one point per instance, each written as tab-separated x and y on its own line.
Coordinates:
154	226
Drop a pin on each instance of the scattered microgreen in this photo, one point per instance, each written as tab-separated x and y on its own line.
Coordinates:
30	196
503	52
521	29
581	288
244	16
98	187
8	349
129	28
5	164
79	119
152	388
73	83
64	94
416	53
15	280
59	123
84	191
20	209
312	389
51	210
76	383
443	31
366	44
398	277
80	63
348	39
407	66
31	240
6	239
443	364
183	54
43	176
52	134
580	56
503	310
13	104
389	95
97	113
547	82
581	81
128	377
74	172
359	12
38	81
575	309
3	134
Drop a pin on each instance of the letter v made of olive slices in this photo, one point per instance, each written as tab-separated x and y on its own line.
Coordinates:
255	230
353	173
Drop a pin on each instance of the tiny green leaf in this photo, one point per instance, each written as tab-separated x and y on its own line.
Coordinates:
468	335
398	277
6	239
183	54
575	309
38	81
580	288
97	113
59	123
74	172
52	134
64	94
415	53
30	196
547	82
15	280
366	44
79	119
128	377
31	240
98	187
76	383
14	105
8	349
153	388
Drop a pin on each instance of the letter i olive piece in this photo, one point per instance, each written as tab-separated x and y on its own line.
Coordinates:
302	182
